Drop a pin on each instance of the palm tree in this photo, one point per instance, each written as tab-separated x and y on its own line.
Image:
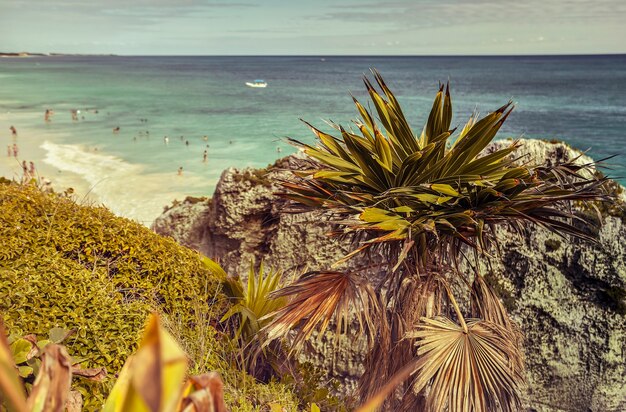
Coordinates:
424	204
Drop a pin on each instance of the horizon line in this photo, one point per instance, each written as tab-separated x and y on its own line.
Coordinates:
61	54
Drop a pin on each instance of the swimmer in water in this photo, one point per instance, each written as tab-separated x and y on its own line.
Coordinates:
187	143
205	138
166	140
13	131
204	156
116	129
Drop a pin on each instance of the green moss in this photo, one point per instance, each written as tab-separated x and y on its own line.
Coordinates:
193	199
254	176
82	268
614	207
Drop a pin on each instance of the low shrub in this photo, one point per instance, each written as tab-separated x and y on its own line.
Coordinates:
82	268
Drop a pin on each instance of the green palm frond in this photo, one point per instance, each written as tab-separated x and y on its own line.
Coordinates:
417	201
317	298
254	303
434	189
473	369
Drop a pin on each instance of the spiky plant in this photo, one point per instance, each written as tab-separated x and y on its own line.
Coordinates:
252	309
421	203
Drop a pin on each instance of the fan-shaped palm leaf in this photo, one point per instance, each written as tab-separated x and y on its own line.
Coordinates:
474	369
417	200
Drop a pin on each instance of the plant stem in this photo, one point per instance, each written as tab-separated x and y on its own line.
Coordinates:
456	309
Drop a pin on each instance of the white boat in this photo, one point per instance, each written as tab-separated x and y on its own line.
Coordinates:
257	83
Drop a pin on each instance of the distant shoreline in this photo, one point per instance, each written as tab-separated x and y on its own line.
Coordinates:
28	54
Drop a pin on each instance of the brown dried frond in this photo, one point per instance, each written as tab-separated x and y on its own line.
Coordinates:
486	305
317	297
467	370
416	296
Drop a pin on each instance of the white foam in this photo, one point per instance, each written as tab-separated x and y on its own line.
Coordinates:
125	188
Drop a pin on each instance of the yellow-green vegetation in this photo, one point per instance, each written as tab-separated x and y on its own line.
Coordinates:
82	268
152	379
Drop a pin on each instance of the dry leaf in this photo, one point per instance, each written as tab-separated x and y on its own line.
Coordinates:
52	386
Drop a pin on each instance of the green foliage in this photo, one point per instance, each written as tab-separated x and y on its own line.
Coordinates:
27	350
432	192
312	387
192	200
422	202
84	269
254	176
253	304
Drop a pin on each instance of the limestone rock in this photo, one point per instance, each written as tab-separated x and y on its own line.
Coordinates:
568	296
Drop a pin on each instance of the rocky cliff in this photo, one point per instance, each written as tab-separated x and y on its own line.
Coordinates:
568	296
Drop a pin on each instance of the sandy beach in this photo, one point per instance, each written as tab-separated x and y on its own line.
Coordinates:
29	144
96	177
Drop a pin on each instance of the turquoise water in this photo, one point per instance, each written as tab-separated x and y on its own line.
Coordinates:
581	100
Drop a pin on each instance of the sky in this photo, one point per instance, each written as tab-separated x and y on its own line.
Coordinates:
313	27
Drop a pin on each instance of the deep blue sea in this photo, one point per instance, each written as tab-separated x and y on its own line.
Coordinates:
578	99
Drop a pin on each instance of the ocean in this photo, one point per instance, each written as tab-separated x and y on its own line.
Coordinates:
202	103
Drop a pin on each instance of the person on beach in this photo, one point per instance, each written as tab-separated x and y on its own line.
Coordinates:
74	115
31	169
180	171
13	131
16	150
9	151
116	129
47	115
24	171
46	184
204	156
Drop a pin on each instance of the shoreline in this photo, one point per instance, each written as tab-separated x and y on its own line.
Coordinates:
96	177
29	143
